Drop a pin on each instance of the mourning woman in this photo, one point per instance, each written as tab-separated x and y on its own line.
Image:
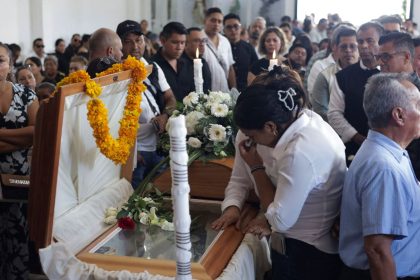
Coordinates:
18	108
295	162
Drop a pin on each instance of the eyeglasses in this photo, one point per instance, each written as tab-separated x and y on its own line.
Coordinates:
385	57
351	47
233	27
39	46
199	41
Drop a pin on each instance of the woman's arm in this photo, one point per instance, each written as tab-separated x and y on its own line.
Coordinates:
20	138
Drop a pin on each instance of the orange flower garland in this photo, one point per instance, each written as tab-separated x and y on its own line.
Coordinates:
118	149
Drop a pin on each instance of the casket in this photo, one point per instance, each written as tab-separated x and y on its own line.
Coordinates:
72	184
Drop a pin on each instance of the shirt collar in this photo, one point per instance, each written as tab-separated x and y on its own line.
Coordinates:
365	68
290	132
389	144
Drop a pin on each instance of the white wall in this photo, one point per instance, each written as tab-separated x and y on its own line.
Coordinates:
26	20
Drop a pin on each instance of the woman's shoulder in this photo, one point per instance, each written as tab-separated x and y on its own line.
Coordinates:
26	94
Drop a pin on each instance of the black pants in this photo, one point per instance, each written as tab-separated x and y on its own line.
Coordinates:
304	262
348	273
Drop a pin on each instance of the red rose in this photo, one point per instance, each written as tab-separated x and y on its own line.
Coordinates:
126	223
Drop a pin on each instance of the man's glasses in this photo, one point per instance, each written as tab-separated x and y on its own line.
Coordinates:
351	47
40	46
385	57
233	27
200	41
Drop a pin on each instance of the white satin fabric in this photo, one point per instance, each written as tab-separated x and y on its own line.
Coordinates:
87	182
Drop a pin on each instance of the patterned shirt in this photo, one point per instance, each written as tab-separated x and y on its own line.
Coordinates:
16	117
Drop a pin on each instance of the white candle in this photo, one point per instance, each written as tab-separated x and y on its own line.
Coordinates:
180	196
198	74
273	62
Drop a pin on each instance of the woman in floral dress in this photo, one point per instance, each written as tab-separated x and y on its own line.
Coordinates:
18	108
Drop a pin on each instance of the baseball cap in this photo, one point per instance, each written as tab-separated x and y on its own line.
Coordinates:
128	26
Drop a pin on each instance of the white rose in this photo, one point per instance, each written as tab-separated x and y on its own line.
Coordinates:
194	142
190	99
191	120
219	110
110	220
111	211
217	133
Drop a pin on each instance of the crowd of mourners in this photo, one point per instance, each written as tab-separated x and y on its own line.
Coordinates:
328	137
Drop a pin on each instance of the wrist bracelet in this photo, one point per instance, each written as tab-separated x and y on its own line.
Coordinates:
257	167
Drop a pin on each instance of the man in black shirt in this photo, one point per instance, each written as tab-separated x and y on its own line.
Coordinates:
243	53
196	40
173	38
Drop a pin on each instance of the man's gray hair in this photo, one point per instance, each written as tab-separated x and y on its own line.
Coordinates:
383	93
260	19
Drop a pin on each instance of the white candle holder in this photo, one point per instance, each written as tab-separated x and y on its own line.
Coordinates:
180	196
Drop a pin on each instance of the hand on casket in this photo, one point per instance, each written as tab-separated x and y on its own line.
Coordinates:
258	226
230	216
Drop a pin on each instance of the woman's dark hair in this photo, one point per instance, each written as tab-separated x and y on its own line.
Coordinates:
35	60
20	68
304	40
10	76
58	41
276	96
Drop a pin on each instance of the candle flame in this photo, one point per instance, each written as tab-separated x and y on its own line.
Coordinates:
274	54
196	53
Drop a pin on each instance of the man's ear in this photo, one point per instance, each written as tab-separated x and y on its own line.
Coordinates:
109	51
398	115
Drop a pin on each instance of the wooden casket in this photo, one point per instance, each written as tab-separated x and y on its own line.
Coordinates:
72	184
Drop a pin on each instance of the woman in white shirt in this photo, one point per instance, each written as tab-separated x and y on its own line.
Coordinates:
295	162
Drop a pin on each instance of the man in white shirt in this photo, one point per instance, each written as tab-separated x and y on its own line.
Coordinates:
154	115
320	31
219	52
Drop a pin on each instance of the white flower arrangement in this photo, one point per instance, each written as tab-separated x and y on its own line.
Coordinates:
209	122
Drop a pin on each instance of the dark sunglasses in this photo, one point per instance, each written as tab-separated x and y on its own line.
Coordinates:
40	46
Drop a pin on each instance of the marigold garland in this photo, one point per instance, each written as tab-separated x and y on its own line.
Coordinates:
118	149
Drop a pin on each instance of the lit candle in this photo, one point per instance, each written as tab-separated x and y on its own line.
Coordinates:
198	75
273	62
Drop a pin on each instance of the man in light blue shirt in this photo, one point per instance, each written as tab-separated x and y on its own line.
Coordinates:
380	211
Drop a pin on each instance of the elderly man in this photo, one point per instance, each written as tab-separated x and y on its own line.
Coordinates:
105	43
380	211
256	28
396	55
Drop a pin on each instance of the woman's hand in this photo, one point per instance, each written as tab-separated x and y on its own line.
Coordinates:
249	154
259	226
230	216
